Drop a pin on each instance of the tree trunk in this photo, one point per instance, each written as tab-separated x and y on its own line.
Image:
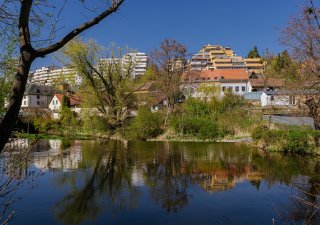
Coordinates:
314	113
18	89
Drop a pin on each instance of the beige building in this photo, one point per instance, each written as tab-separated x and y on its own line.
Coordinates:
254	65
217	57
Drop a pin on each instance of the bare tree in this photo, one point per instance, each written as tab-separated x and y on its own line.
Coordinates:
302	37
28	17
168	63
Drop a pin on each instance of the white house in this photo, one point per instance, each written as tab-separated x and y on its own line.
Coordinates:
227	80
37	96
278	98
56	102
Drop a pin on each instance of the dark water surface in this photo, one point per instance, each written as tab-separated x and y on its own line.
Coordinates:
86	182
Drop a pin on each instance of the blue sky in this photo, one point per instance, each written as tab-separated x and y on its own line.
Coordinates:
142	24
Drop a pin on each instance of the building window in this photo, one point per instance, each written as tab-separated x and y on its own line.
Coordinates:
24	102
38	103
292	100
237	88
38	96
243	89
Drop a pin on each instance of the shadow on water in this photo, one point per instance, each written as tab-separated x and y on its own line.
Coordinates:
113	177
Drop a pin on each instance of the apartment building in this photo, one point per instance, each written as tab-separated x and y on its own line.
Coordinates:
139	61
254	65
217	57
51	76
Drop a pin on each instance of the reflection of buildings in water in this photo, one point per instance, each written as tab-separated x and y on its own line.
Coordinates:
55	144
56	158
137	177
225	179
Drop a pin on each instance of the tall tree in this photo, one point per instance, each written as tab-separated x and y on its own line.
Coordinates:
302	37
108	82
31	18
254	53
168	65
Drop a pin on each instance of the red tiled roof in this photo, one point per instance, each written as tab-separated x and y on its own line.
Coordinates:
74	99
217	75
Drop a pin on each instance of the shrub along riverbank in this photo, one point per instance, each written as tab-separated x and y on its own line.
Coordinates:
293	139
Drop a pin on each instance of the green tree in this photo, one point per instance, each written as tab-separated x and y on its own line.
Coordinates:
7	69
108	83
254	53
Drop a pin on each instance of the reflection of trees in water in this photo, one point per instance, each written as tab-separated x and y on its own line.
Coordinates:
168	170
107	185
167	176
15	174
303	175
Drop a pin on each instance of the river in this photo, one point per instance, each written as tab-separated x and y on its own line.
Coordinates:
90	182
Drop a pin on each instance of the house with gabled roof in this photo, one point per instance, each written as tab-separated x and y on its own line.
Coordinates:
37	96
57	101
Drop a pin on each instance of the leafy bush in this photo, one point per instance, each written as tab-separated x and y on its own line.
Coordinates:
95	123
230	101
291	140
146	125
202	128
44	124
68	117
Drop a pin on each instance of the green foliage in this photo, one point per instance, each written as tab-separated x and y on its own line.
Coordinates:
95	123
65	102
44	124
293	139
201	128
146	125
7	70
209	120
68	117
254	53
284	66
107	84
230	102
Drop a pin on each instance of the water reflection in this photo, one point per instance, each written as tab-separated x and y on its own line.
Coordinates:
111	177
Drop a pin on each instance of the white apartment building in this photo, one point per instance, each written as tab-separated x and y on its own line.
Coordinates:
139	62
50	76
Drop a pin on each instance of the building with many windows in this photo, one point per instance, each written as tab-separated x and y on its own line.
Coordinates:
139	62
217	57
52	76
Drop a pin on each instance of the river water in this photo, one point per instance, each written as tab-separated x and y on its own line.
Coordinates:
89	182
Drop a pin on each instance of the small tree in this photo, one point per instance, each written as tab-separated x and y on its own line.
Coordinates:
254	53
168	64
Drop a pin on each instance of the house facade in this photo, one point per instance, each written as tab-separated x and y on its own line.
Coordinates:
37	96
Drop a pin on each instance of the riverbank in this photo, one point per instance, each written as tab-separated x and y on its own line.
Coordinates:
118	137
